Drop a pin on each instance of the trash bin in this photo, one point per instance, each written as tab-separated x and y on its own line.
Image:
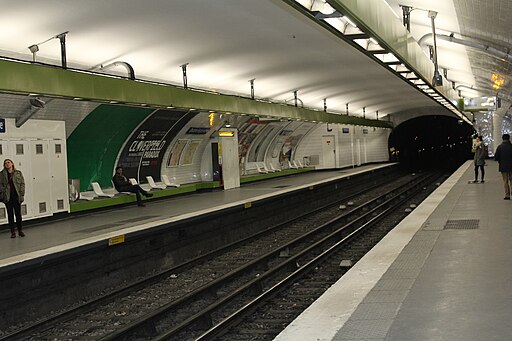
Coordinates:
74	189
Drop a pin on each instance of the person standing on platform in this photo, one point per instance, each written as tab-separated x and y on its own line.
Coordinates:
504	157
122	184
479	158
12	192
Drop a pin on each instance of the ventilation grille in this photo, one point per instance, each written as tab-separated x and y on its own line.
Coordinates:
2	213
462	224
60	204
42	207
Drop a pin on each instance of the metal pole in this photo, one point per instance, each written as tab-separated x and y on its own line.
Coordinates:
325	104
62	38
184	71
406	11
295	97
432	15
252	87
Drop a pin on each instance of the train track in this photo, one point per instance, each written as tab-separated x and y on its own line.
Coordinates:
191	299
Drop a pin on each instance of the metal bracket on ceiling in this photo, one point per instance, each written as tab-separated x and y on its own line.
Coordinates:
184	72
35	104
129	68
406	12
252	87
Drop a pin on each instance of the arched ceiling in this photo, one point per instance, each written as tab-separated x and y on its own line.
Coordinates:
479	24
226	43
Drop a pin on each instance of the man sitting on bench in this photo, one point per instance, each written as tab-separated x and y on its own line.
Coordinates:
122	184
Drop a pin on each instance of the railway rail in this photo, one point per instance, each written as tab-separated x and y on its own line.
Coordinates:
212	294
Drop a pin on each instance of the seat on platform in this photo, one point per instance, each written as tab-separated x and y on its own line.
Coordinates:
87	196
145	187
274	169
267	169
292	166
167	182
99	192
154	185
116	192
260	169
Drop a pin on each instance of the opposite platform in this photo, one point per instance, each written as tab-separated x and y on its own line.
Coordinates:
442	274
79	230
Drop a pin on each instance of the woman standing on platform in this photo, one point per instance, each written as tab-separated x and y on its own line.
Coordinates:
12	191
479	158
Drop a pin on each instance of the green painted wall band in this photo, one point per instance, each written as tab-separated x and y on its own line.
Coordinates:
26	78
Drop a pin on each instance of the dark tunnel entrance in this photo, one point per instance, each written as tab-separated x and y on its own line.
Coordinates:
431	142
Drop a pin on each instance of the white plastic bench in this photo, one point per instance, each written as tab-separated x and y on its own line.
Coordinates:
116	192
292	166
154	185
264	166
89	195
274	169
145	187
260	169
99	192
168	183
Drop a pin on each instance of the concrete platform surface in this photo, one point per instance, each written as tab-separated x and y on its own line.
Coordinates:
442	274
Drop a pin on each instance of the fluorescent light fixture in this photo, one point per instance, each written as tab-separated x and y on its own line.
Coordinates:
350	22
373	41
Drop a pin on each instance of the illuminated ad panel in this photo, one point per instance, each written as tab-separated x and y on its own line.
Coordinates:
142	154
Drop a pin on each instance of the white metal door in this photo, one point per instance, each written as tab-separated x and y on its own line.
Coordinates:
41	181
358	152
58	173
328	151
5	147
19	153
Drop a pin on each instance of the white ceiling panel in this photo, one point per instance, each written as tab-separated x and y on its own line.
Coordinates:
225	42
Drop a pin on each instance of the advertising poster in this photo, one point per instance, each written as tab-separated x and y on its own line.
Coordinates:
142	154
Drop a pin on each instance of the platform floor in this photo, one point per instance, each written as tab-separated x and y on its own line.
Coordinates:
443	274
50	237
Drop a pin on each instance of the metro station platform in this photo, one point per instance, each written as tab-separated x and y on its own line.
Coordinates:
45	239
442	274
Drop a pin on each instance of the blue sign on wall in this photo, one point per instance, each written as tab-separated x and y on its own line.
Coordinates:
2	125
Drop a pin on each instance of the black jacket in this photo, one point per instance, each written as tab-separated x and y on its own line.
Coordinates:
120	181
504	156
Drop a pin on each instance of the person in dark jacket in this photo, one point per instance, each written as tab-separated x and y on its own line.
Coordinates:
12	193
479	158
504	157
122	184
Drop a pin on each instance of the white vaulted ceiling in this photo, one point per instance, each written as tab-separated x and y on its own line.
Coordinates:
483	26
229	42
